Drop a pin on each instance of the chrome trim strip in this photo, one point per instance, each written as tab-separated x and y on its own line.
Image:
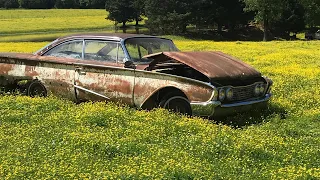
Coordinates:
235	87
87	90
266	98
204	108
208	108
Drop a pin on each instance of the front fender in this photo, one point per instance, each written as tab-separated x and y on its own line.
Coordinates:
148	83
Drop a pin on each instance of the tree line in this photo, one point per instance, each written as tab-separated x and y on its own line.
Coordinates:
276	17
49	4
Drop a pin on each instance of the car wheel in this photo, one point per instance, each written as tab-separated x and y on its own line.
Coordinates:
177	103
36	88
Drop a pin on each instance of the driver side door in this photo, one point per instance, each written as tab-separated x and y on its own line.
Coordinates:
101	76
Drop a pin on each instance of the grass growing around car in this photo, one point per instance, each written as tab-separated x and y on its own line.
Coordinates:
53	138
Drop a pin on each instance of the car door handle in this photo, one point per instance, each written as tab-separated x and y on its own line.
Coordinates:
80	71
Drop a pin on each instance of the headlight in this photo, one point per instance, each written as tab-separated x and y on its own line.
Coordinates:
222	94
262	86
229	93
215	94
257	90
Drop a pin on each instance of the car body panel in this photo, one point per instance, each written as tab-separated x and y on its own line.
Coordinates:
213	64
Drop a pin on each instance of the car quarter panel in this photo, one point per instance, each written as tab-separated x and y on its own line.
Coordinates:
147	83
56	76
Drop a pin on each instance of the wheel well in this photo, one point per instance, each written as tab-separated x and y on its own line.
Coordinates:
154	100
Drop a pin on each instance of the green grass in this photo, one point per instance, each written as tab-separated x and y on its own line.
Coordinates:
45	25
53	20
53	138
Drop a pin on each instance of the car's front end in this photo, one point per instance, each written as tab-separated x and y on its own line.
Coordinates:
233	99
236	86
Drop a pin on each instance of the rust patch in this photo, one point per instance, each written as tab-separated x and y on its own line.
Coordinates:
5	68
30	71
212	64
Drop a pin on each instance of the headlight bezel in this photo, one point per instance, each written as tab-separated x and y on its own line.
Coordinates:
222	94
229	93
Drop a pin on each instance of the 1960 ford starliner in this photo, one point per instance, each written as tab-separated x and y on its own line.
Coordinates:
138	70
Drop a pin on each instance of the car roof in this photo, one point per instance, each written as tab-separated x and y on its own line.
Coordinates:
98	36
107	36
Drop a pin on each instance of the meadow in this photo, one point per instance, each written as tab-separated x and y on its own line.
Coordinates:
47	138
45	25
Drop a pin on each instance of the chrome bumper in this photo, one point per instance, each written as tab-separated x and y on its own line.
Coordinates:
208	108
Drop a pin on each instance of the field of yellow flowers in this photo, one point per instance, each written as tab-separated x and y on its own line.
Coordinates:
46	138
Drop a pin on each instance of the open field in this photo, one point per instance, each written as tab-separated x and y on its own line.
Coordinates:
53	138
52	20
42	25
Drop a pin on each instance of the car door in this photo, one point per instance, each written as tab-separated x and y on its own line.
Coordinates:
58	74
100	76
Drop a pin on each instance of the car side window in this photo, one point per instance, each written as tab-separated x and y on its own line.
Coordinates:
107	51
71	49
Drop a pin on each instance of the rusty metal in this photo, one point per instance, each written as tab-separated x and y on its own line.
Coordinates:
212	64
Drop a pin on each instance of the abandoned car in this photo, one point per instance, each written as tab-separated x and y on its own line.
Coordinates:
138	70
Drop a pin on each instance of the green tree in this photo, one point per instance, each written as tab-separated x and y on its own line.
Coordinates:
66	4
227	13
138	6
167	16
11	4
37	4
2	3
291	20
97	4
312	12
120	11
267	11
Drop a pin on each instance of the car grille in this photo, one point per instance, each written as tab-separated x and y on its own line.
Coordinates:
243	93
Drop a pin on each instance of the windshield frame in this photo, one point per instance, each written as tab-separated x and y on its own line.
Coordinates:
145	61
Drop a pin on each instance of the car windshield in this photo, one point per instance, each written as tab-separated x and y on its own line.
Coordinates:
139	47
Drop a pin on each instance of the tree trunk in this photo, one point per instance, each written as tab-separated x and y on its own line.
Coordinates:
137	30
137	21
265	28
123	24
219	28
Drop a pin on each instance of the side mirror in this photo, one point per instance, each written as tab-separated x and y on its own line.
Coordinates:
129	64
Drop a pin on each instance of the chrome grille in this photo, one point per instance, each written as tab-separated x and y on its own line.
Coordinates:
243	93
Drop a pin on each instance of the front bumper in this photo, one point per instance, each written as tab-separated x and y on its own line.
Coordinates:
211	108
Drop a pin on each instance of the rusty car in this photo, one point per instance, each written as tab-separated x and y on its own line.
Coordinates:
141	71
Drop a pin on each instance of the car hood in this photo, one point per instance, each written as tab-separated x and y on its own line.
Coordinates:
213	64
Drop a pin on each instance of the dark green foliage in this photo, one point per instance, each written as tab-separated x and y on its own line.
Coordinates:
120	11
11	4
267	12
291	19
227	13
66	4
167	16
2	3
97	4
37	4
312	12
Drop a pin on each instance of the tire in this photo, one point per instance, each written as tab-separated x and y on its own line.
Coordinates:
175	102
36	88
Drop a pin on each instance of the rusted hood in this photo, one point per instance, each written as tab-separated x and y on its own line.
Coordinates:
213	64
